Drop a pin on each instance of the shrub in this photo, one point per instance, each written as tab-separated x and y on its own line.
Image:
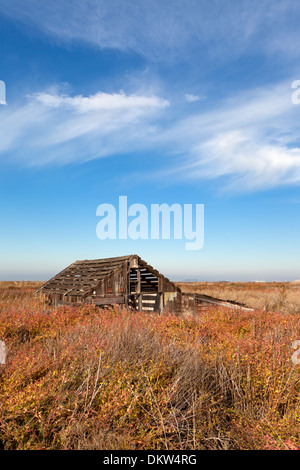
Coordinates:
83	378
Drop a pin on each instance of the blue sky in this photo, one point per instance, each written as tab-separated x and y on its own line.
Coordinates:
163	101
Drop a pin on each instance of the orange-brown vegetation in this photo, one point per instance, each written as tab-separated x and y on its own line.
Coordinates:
83	378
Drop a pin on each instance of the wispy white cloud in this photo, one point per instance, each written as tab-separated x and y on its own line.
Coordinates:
190	98
250	163
250	140
101	102
156	27
53	128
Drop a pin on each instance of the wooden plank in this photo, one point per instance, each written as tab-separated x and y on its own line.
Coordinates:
108	300
202	299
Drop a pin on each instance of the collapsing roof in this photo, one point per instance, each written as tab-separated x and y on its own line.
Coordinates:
82	277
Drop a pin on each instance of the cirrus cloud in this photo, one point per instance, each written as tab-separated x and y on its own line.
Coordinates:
249	140
164	29
56	128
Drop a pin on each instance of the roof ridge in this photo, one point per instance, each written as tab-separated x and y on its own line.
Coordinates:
105	259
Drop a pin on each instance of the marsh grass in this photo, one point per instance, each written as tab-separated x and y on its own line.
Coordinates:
83	378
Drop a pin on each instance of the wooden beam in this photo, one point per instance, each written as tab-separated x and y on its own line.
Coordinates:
108	300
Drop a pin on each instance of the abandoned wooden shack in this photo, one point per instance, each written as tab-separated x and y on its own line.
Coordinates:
126	281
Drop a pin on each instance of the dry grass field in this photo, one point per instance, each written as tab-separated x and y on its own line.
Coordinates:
84	378
277	296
